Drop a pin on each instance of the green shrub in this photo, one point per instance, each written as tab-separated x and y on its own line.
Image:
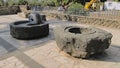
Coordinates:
47	3
40	2
17	2
34	2
1	2
22	2
116	0
11	3
76	6
76	9
57	2
44	2
65	1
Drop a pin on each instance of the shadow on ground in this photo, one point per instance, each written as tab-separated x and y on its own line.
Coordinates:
112	54
9	44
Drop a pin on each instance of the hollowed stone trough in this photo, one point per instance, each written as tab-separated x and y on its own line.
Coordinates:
34	28
82	41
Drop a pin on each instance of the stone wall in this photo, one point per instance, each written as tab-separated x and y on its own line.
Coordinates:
85	19
9	10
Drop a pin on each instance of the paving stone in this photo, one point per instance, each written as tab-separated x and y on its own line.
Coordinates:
57	58
25	43
12	62
2	50
7	46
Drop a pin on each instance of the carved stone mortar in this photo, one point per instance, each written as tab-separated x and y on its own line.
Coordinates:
82	41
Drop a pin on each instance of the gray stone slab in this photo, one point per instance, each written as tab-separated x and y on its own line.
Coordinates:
28	61
20	44
7	46
16	43
2	50
3	31
39	41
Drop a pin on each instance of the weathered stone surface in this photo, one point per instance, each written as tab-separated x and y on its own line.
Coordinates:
82	41
35	18
21	30
34	28
43	17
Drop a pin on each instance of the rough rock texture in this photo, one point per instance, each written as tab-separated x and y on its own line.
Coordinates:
21	30
43	18
35	18
80	41
34	28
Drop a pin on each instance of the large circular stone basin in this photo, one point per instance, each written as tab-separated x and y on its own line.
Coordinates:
81	41
23	30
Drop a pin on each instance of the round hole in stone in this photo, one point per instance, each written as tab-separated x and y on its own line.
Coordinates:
78	30
31	19
75	30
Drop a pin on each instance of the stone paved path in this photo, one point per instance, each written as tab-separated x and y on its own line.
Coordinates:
43	53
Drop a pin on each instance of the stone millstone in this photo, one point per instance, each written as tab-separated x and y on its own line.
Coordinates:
32	29
81	41
21	30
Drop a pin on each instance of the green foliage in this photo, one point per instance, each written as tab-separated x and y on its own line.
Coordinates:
33	2
75	6
65	1
56	2
116	0
22	2
60	2
47	3
39	2
12	2
16	2
77	9
1	2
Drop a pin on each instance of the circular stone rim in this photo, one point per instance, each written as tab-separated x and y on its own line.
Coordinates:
25	21
92	31
14	27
